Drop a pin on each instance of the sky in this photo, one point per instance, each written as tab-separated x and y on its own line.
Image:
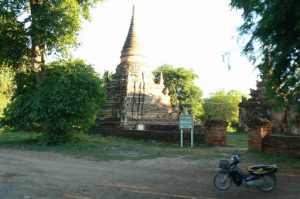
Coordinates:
194	34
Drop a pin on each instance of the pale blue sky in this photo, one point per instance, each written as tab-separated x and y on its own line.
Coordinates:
186	33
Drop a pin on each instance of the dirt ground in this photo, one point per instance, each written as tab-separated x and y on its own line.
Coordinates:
44	175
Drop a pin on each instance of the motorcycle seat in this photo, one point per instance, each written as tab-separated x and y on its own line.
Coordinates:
262	169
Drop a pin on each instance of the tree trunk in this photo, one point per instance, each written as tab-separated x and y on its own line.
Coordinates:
38	61
38	47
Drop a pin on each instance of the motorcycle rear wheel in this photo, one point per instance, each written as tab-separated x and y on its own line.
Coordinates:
269	183
222	181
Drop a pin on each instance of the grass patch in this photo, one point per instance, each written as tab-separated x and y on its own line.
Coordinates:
279	160
17	139
111	148
237	140
115	148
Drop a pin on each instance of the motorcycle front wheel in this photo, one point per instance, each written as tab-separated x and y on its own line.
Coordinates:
268	183
222	181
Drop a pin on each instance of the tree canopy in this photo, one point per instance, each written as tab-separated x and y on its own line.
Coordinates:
68	100
274	30
32	29
182	89
57	97
223	106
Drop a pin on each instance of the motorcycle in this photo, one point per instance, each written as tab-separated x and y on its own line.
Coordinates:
260	176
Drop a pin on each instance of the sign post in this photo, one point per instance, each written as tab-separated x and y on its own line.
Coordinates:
181	138
192	138
186	122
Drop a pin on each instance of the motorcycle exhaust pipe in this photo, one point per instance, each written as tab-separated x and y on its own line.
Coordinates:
254	183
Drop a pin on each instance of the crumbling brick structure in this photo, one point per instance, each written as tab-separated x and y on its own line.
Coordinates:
215	132
133	95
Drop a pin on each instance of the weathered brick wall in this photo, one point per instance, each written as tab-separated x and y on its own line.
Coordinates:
283	145
161	136
215	136
215	132
256	135
153	127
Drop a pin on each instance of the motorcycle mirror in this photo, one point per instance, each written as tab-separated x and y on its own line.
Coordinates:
237	152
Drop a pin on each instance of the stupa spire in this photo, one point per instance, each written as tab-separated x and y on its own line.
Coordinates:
132	50
133	96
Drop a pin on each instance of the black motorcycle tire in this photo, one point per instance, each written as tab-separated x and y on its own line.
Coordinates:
269	183
222	181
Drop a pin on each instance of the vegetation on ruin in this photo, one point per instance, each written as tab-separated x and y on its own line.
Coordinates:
185	93
273	32
182	89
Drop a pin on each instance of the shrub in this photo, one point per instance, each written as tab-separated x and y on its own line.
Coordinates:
7	87
67	101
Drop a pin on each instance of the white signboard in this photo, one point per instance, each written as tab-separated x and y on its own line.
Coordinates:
186	122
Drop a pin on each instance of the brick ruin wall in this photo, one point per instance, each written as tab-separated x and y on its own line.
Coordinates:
215	132
160	136
215	136
256	136
282	145
212	133
260	139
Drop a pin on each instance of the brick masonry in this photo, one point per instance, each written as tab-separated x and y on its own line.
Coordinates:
283	145
212	132
215	136
256	136
215	132
260	139
134	95
161	136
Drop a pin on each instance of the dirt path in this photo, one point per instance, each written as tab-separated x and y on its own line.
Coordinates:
43	175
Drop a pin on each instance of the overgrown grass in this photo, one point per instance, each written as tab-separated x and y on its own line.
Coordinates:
109	148
237	140
114	148
280	160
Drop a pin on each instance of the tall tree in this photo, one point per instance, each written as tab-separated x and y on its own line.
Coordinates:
32	29
274	26
182	89
223	106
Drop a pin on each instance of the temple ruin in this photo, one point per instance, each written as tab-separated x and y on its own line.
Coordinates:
283	119
134	98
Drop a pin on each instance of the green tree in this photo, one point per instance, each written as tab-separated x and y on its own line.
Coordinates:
32	29
274	27
182	89
68	100
7	87
223	106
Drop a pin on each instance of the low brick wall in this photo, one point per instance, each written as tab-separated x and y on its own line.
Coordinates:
153	127
216	136
256	136
215	132
283	145
161	136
